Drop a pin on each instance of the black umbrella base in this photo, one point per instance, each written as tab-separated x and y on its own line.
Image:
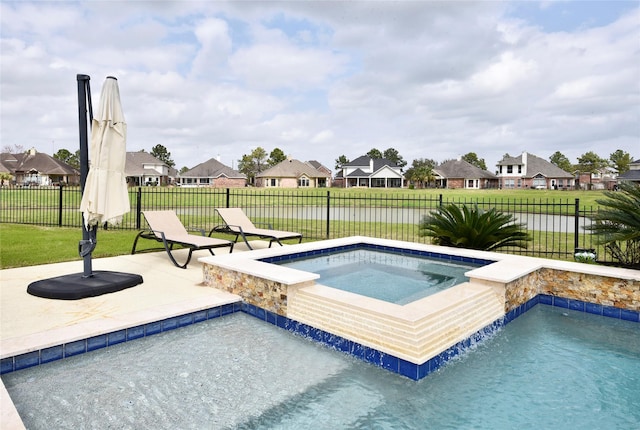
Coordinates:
77	286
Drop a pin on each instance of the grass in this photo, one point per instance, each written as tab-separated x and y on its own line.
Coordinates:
27	245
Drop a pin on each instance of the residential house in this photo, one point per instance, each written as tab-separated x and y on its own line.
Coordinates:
34	168
143	169
633	174
370	172
461	174
292	173
213	173
319	166
530	171
603	179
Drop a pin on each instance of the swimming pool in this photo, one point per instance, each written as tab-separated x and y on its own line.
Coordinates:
549	368
390	276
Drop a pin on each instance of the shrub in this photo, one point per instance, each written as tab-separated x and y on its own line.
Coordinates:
617	224
473	228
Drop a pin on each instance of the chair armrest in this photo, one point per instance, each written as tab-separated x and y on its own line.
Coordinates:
269	226
196	229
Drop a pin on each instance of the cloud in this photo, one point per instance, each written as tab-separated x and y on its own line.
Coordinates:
430	79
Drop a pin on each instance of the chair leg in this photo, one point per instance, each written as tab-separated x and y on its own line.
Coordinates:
169	248
135	243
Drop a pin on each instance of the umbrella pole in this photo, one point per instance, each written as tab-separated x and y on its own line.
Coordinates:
87	244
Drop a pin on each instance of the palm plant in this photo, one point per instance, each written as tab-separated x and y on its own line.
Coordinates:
617	223
473	228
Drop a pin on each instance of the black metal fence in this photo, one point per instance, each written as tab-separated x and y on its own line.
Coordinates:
556	227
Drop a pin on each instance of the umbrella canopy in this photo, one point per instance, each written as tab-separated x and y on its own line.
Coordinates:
105	198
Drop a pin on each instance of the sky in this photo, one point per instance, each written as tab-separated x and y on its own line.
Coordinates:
321	79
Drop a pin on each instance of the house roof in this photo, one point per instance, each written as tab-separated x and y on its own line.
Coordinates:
358	173
317	165
462	169
212	169
35	161
364	160
135	162
536	165
630	175
291	168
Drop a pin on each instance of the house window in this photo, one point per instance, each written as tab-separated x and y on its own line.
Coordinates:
509	183
519	168
470	183
204	180
303	182
519	183
509	168
539	182
500	167
394	183
378	183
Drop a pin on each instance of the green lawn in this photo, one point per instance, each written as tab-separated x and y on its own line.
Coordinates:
28	245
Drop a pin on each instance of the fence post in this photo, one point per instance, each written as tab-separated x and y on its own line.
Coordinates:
138	208
228	198
60	205
328	211
576	225
440	200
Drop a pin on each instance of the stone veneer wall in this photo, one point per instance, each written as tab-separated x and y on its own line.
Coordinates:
265	294
601	290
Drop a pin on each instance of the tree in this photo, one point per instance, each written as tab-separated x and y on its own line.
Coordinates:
5	177
560	160
374	153
276	156
472	158
13	149
470	227
617	223
620	161
421	171
591	163
184	169
252	164
392	154
341	161
161	153
66	156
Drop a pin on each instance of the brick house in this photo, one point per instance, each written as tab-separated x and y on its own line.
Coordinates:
33	168
292	173
529	171
213	173
461	174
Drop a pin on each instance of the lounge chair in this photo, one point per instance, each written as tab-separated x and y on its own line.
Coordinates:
236	222
166	227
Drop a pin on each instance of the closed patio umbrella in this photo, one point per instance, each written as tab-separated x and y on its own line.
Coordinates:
105	198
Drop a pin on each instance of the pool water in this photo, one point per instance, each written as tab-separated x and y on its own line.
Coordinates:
395	278
550	368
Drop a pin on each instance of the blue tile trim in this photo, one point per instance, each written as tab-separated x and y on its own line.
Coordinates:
371	355
75	348
58	352
576	305
370	246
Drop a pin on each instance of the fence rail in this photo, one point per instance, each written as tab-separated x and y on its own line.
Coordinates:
556	227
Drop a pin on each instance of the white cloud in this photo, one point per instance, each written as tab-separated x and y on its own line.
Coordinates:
430	79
